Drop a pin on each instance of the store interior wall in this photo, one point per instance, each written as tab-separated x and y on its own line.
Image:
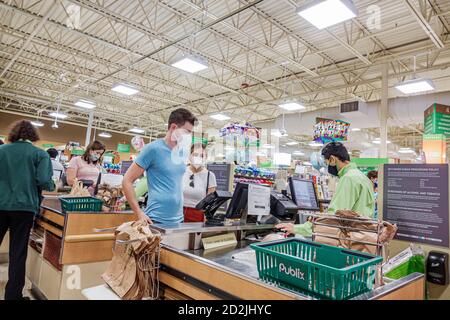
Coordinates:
402	111
434	292
66	133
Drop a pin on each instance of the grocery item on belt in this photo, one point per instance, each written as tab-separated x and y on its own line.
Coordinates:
78	190
110	197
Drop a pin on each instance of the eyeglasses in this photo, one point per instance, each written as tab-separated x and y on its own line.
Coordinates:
191	184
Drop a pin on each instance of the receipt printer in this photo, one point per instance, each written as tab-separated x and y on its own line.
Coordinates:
437	268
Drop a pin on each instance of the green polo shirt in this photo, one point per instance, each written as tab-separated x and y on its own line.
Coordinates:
354	192
24	170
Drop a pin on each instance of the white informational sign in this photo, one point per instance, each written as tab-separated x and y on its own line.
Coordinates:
282	159
258	200
113	180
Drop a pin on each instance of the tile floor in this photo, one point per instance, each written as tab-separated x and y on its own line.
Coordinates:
4	278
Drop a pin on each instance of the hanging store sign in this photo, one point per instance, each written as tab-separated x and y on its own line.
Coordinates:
328	130
415	197
434	147
123	147
437	119
48	145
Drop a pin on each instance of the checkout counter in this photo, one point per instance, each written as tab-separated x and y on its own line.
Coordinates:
65	254
67	257
231	272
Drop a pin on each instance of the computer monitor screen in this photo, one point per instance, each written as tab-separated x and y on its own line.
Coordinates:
304	194
238	203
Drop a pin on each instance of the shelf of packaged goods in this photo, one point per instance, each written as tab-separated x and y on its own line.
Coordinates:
246	177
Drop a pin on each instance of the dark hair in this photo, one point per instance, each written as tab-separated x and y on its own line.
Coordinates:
372	174
23	130
94	145
1	142
181	116
197	146
52	152
336	149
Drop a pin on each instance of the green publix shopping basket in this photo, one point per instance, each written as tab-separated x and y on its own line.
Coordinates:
89	204
320	270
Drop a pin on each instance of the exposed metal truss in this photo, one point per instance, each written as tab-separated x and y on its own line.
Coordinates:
259	53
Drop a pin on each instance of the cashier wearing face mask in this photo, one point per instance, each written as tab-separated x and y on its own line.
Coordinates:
88	166
354	190
197	183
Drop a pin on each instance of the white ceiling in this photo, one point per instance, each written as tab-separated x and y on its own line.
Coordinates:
44	61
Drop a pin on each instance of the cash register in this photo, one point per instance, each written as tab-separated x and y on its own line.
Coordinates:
282	207
211	203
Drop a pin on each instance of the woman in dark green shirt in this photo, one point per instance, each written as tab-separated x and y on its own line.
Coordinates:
24	171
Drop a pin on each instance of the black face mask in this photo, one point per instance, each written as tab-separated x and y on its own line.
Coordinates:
333	170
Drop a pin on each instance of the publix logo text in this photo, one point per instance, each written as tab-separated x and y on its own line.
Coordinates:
291	271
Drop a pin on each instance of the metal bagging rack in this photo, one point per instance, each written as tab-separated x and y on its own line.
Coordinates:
380	248
147	261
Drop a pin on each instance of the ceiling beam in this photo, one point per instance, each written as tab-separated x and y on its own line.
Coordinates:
425	25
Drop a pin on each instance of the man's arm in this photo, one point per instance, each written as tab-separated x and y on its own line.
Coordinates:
132	174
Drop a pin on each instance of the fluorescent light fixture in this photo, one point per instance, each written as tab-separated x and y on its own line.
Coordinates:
415	86
325	13
125	89
356	129
315	144
136	130
282	159
105	135
58	115
261	154
37	123
378	141
191	65
406	150
220	117
277	133
85	104
298	153
268	146
291	106
229	148
292	143
307	163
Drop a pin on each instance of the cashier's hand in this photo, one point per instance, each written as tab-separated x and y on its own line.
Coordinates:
286	227
143	217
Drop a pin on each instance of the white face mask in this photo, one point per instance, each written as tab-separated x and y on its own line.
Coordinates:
182	138
197	162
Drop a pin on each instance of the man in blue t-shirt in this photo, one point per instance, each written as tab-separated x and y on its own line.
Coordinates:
164	160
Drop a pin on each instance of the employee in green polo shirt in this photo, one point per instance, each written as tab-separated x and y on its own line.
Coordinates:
354	191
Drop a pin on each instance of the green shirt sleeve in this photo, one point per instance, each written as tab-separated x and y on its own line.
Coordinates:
345	197
304	229
45	173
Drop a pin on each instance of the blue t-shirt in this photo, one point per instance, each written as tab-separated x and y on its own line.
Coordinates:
165	168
